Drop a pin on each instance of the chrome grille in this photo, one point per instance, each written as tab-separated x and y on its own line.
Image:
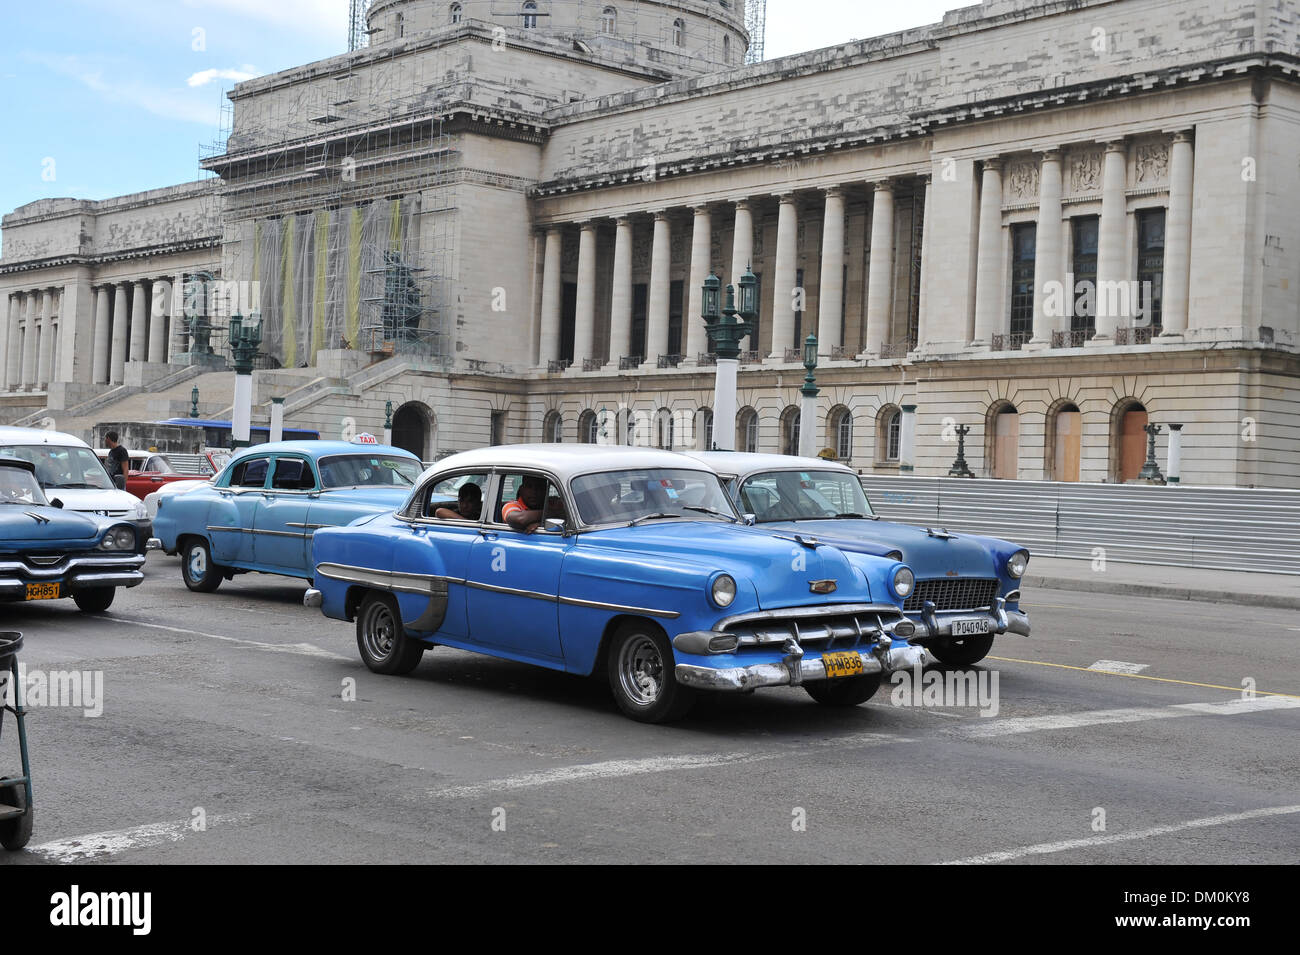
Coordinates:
953	593
837	628
44	560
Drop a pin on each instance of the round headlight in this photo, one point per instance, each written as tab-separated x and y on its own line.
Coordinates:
904	581
118	538
723	590
1018	563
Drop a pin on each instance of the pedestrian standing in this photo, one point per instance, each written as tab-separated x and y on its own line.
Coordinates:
119	460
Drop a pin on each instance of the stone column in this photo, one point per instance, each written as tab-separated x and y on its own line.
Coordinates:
552	294
907	440
1174	468
31	312
1049	283
656	337
923	303
693	332
75	351
6	321
880	277
830	295
158	311
584	325
1178	238
1113	273
787	249
139	323
121	320
45	324
176	309
14	363
103	334
620	311
742	256
990	270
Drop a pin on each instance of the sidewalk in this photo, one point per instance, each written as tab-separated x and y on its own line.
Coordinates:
1170	583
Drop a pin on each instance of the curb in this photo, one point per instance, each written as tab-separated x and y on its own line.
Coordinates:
1164	592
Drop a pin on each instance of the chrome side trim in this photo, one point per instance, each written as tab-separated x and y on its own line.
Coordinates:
513	591
621	608
254	530
423	584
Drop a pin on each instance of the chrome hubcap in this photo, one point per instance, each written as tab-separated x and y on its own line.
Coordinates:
198	563
378	632
641	670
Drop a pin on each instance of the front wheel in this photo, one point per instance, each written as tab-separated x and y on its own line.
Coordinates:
95	600
642	678
16	831
385	647
844	691
962	651
201	574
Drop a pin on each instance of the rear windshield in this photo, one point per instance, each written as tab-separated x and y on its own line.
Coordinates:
369	470
59	467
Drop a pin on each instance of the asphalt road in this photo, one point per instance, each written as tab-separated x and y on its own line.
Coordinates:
235	709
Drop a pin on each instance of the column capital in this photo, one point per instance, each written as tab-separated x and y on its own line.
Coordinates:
586	225
661	215
785	198
625	219
993	164
833	192
1115	145
1050	154
881	185
741	203
1184	135
702	208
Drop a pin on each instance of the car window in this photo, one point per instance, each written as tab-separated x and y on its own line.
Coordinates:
616	496
512	493
249	473
803	495
443	500
292	474
62	466
369	470
157	464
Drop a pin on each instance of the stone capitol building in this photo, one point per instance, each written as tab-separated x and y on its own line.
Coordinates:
1051	221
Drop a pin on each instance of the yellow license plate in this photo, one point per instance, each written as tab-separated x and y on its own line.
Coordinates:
43	591
842	664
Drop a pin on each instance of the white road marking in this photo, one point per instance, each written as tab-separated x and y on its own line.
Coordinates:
1047	848
303	649
99	844
1119	666
1060	721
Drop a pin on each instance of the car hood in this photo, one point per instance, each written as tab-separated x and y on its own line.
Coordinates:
94	499
778	567
929	557
32	527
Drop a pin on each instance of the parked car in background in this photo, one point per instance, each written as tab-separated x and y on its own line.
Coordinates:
47	553
260	512
213	462
148	471
967	588
637	564
71	475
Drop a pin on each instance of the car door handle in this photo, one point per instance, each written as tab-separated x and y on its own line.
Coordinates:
489	536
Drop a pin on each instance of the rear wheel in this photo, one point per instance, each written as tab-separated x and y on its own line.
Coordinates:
845	691
384	645
962	651
640	666
95	600
199	571
17	831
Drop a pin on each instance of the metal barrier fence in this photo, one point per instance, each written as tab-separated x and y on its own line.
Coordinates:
1225	528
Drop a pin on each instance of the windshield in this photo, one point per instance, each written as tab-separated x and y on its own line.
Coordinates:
18	486
616	497
803	495
62	467
156	464
369	470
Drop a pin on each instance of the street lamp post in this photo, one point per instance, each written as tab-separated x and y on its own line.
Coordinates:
959	467
388	422
1151	470
808	400
245	338
194	402
727	327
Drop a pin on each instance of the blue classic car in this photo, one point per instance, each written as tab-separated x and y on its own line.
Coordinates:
47	552
967	588
581	558
260	512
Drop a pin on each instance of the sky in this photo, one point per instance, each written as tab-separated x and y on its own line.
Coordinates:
100	98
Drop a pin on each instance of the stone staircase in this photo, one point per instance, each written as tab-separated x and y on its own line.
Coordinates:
216	391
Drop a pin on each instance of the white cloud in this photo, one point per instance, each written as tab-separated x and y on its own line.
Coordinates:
107	81
203	77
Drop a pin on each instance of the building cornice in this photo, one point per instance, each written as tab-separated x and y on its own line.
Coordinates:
141	252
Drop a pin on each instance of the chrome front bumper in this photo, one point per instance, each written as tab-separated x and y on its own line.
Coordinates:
795	669
312	598
937	624
74	574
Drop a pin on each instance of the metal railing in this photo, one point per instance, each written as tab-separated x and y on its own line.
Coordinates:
557	366
629	362
750	358
897	349
1136	336
1012	341
669	361
704	358
1071	339
593	364
1225	528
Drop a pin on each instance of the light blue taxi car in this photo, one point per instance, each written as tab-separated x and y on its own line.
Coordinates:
627	561
260	512
968	587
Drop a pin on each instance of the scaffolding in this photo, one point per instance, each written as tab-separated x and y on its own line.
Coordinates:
357	35
756	25
330	186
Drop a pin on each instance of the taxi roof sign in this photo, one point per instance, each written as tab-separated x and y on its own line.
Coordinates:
365	438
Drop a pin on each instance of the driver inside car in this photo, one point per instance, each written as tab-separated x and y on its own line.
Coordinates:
532	507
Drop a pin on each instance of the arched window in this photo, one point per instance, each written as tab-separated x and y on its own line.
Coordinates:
401	24
679	32
889	430
455	13
1064	442
1129	441
726	49
530	15
609	20
842	433
706	429
1003	443
588	428
790	430
553	427
664	429
747	430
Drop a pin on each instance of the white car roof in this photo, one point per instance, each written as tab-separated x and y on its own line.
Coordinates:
10	435
741	462
565	460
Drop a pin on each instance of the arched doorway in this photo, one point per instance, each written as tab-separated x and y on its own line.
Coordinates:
1065	442
411	430
1130	440
1005	432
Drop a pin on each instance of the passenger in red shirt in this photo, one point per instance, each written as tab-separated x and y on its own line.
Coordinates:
527	511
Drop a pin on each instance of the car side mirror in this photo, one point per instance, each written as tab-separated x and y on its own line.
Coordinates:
554	525
750	519
56	503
